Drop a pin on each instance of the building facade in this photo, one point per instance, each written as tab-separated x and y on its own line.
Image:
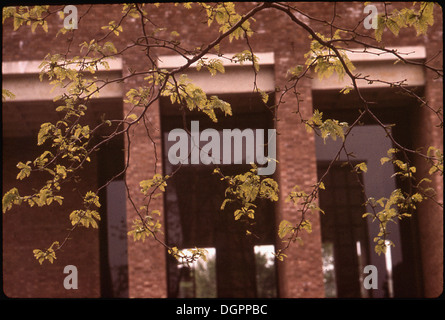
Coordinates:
331	261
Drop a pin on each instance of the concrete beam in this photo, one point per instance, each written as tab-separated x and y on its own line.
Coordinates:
22	79
379	65
236	78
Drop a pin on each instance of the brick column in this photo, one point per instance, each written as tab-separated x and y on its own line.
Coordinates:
430	214
146	259
300	275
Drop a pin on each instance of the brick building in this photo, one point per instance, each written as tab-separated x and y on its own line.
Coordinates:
328	264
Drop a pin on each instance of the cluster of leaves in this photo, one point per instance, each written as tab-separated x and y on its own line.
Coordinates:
397	206
404	169
11	197
151	185
24	15
245	189
70	74
212	65
400	204
295	72
407	17
47	194
49	254
7	94
324	60
115	28
304	203
188	256
86	217
244	56
187	94
138	97
226	16
146	226
132	10
435	158
328	128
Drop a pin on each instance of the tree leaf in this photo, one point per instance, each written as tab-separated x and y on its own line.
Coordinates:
284	228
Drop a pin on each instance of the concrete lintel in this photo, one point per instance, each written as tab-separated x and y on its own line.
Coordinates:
28	87
385	71
175	61
372	55
22	79
32	66
377	64
236	79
